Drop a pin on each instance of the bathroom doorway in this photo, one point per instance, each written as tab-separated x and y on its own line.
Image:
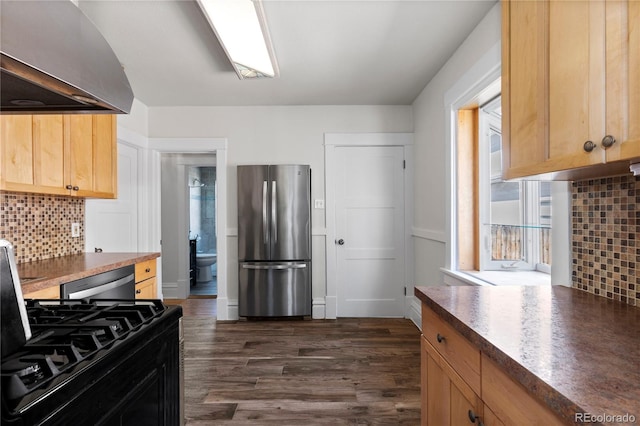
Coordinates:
202	231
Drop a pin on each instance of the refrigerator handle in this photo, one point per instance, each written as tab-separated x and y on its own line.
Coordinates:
274	211
265	228
276	267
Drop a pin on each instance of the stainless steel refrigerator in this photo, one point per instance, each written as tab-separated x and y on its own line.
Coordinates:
274	240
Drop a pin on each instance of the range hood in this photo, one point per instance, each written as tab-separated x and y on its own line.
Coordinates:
54	60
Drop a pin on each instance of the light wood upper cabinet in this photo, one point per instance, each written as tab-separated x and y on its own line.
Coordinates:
59	154
570	74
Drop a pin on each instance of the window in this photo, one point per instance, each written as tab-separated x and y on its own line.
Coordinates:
515	216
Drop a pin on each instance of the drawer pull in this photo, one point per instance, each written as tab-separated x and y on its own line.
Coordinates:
440	338
138	291
147	270
473	418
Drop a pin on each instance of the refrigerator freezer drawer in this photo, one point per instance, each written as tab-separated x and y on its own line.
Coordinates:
275	289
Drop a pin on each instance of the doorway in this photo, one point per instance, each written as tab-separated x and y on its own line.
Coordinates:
177	287
368	189
202	231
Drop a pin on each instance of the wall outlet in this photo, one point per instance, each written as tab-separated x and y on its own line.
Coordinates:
318	204
75	230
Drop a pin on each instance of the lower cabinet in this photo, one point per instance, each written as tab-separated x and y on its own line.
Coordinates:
462	386
146	287
47	293
446	399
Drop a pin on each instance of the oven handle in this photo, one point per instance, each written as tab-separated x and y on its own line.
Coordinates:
83	294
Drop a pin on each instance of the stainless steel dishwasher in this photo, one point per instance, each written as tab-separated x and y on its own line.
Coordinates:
116	284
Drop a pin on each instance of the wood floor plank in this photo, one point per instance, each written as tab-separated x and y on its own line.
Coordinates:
349	371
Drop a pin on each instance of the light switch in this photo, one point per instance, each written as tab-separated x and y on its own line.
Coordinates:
319	204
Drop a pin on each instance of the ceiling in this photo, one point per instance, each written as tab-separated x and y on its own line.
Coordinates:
330	52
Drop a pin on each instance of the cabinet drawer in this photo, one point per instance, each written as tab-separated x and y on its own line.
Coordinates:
145	270
146	289
46	293
463	356
510	401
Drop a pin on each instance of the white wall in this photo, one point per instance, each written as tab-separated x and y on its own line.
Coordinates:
281	134
137	121
430	150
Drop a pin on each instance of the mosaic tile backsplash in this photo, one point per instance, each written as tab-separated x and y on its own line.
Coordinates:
605	251
39	226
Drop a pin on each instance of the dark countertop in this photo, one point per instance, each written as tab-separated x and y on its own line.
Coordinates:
574	351
60	270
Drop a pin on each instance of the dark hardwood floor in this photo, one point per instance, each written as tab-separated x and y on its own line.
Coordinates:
311	372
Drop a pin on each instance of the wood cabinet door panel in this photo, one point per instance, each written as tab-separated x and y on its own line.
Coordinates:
623	79
81	152
523	96
49	149
16	151
576	80
105	158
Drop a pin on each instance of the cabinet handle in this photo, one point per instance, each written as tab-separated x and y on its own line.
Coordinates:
608	141
148	270
440	338
589	146
138	291
473	418
76	188
69	187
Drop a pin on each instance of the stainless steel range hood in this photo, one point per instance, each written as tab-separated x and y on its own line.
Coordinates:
54	60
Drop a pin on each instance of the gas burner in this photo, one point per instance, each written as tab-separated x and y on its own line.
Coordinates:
22	369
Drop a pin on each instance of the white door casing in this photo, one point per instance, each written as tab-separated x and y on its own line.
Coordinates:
367	190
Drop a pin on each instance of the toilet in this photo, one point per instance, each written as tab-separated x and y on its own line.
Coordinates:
203	266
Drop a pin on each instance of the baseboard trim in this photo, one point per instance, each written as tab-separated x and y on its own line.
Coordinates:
415	311
318	308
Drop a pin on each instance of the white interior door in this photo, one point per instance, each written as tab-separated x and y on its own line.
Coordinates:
112	225
369	209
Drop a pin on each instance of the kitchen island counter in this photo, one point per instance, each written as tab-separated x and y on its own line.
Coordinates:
573	351
43	274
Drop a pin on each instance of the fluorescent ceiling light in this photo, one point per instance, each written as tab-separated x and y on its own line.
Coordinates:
241	28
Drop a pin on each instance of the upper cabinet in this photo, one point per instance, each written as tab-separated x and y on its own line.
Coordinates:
59	154
570	87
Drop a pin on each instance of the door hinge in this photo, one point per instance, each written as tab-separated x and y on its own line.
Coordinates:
404	164
405	291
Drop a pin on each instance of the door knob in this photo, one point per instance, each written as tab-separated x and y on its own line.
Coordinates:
340	242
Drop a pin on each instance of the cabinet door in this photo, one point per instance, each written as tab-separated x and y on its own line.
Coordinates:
50	167
446	398
553	85
33	151
105	160
80	130
16	152
93	155
623	78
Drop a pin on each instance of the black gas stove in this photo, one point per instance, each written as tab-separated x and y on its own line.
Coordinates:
95	362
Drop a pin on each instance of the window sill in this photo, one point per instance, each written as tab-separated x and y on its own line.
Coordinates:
497	278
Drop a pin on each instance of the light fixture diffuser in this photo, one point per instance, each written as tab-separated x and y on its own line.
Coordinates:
241	28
